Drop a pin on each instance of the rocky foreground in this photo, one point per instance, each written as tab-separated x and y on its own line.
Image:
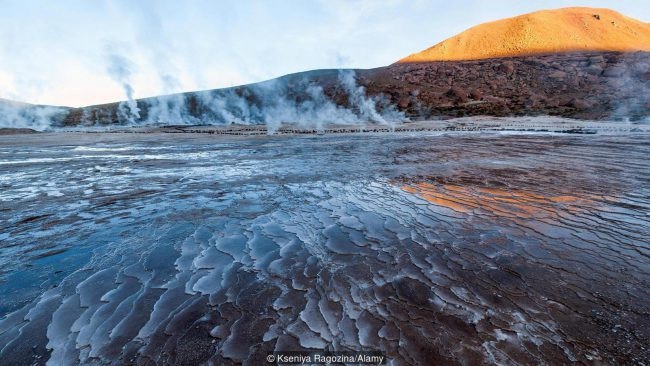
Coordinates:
449	249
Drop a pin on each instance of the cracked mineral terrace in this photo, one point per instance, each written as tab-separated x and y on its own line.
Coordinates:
434	247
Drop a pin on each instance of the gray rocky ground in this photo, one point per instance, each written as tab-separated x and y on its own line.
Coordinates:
446	247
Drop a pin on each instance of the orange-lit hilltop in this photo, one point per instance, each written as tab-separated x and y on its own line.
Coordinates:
543	32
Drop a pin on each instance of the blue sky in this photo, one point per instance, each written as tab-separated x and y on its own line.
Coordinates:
60	52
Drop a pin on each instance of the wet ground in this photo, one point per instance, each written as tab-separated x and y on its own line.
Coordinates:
436	248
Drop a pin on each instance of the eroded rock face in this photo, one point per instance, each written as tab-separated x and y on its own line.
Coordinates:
462	249
604	86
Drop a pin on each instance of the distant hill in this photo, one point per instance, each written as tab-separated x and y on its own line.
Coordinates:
12	103
543	32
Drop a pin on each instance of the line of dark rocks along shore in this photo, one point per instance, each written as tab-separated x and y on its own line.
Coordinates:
572	130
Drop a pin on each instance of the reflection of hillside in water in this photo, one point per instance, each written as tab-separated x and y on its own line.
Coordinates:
563	253
512	204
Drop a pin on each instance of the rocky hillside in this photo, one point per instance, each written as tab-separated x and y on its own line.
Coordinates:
603	79
543	32
591	85
588	85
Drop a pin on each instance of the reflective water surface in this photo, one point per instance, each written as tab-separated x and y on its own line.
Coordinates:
459	248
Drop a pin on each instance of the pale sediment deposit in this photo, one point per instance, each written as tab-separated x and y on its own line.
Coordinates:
449	247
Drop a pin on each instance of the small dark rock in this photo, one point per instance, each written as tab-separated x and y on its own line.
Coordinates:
404	103
475	94
557	75
614	71
457	94
580	104
596	60
507	67
594	69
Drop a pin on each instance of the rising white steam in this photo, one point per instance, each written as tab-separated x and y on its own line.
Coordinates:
301	103
119	69
296	101
36	117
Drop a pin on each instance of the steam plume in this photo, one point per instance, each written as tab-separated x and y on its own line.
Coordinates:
119	68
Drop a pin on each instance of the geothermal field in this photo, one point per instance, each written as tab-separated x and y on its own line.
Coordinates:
485	201
442	247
